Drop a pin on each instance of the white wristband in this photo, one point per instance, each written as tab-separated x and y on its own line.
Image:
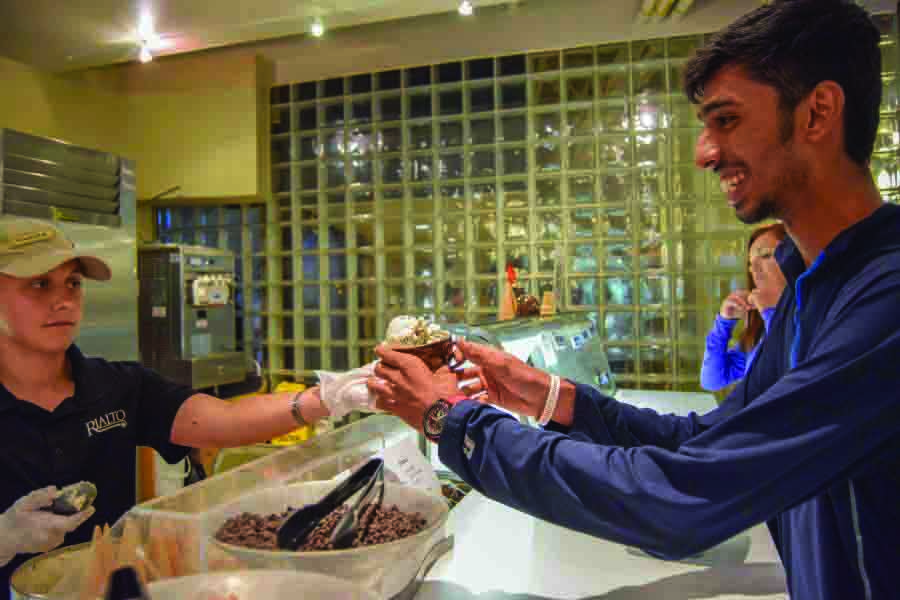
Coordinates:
550	403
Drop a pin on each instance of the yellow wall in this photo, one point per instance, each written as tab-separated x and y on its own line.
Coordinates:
53	106
204	142
192	122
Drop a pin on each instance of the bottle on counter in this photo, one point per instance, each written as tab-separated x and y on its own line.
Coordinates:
508	300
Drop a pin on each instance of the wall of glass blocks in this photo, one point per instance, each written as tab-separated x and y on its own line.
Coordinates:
409	191
240	229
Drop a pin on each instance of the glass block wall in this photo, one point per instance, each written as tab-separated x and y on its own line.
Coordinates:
885	164
240	229
410	190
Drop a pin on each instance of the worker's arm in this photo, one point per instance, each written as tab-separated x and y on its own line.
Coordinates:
204	420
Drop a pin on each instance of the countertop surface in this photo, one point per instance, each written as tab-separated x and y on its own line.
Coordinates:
503	554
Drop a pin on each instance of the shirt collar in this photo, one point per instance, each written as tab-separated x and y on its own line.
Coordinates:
790	261
7	400
850	240
90	386
92	381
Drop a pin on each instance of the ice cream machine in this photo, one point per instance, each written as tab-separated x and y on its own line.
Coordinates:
187	314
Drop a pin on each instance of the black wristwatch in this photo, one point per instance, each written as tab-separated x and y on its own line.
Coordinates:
434	418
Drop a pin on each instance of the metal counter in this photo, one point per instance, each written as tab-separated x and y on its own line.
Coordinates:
503	554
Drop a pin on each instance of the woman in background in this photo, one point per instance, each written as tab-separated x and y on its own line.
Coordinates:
722	365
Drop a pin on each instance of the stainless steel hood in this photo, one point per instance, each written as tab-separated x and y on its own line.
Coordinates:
49	179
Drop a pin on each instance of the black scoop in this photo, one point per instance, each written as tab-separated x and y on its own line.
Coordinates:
296	528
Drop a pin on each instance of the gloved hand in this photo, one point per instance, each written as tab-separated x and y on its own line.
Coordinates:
26	529
345	392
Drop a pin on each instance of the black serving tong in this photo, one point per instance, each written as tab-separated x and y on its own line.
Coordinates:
296	528
346	529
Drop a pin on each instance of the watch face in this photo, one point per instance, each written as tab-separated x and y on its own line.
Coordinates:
433	421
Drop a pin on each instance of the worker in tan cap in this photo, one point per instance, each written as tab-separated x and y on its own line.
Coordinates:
65	417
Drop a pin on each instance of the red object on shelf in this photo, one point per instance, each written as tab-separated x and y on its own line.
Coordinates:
508	300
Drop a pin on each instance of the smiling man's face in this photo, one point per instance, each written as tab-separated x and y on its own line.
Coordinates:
750	145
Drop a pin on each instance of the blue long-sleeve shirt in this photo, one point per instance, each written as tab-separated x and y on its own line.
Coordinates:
722	365
809	441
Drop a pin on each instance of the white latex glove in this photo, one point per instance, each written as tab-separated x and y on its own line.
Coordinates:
345	392
26	529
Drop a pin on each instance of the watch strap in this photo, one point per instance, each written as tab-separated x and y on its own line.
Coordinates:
295	410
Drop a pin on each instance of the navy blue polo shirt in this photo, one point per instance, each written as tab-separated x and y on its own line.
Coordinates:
91	436
808	442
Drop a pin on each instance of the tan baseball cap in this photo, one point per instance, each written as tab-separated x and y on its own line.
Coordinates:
29	248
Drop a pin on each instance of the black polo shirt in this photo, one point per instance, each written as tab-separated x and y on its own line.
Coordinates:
91	436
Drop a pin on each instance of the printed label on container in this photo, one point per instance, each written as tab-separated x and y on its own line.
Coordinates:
406	462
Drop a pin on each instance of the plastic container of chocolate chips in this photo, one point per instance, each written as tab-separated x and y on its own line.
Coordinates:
384	568
173	536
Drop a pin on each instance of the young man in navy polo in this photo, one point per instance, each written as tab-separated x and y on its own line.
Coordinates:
65	417
809	441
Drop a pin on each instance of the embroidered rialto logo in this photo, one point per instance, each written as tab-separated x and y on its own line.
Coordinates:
110	420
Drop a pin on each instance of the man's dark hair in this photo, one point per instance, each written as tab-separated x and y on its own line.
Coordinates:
793	45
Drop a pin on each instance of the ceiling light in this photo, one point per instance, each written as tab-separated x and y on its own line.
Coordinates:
317	29
148	39
466	9
145	29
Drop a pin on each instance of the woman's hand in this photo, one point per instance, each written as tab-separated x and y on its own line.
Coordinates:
736	305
